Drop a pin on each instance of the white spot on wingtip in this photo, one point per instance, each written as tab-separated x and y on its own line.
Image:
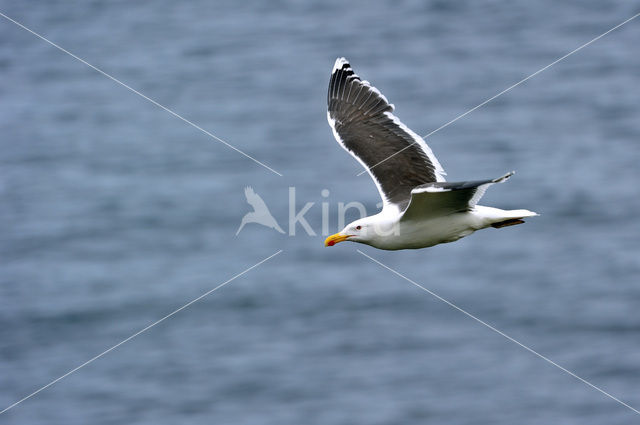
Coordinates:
339	63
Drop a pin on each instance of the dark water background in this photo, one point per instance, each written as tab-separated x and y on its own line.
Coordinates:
114	213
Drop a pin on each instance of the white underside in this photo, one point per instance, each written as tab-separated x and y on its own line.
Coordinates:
415	234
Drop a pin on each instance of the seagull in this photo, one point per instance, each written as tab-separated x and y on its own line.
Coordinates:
260	214
419	208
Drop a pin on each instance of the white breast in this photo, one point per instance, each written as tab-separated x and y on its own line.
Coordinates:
425	233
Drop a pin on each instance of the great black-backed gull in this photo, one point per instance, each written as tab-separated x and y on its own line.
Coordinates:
419	209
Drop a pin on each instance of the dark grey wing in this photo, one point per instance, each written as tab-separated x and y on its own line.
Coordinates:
443	198
363	123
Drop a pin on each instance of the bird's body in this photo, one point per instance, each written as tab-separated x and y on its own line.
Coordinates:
420	209
414	234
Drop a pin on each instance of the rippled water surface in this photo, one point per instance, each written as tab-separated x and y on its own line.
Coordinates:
114	213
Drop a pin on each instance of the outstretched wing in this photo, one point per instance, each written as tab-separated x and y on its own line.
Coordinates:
438	199
363	123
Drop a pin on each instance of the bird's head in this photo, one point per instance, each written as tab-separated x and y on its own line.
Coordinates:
359	231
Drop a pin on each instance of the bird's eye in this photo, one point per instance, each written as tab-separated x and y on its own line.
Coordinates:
358	227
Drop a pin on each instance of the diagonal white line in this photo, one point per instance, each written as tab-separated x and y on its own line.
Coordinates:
109	76
139	332
507	89
532	351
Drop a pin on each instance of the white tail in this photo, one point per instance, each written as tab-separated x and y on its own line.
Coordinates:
518	213
500	218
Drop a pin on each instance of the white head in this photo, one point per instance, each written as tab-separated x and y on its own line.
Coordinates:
367	230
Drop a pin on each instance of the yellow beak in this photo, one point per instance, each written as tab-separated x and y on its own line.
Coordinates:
334	239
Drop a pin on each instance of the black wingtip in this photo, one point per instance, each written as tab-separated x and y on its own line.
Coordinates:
504	178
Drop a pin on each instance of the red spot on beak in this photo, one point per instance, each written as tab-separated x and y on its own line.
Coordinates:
331	243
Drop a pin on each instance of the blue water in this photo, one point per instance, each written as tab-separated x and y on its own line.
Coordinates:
114	213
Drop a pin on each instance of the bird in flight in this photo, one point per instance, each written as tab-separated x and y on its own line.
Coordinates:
260	214
420	209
